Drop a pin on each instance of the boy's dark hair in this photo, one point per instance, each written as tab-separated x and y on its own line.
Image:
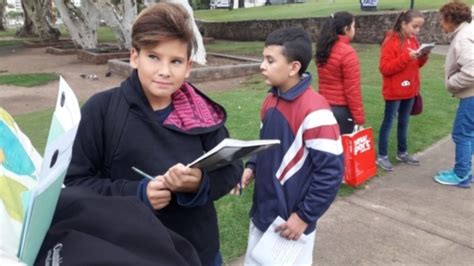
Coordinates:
333	26
456	12
160	22
296	45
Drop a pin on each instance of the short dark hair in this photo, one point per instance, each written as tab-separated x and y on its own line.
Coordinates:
296	45
160	22
456	12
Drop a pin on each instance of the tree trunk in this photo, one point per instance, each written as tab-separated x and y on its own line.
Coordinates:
27	30
81	22
241	3
2	14
200	54
119	18
39	12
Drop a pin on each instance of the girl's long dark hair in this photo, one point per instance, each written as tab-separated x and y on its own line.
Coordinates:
333	26
405	16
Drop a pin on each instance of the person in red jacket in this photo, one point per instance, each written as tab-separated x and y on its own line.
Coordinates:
400	68
339	71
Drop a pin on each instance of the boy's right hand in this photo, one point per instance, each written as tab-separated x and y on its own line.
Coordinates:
247	177
158	195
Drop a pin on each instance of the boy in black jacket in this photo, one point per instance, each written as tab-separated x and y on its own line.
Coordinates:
158	123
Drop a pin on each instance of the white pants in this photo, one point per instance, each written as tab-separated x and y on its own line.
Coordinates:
305	257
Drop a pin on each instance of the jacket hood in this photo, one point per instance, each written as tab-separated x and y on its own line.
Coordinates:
296	91
193	112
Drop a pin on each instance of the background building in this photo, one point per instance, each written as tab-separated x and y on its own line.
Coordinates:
16	5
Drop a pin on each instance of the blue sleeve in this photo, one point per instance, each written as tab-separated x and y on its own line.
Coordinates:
141	192
195	199
252	162
325	181
324	147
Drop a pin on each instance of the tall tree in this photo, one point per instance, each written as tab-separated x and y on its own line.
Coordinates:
3	3
38	13
200	53
81	22
412	4
241	3
28	29
119	16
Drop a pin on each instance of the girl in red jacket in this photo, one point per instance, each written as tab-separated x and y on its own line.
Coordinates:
339	71
400	67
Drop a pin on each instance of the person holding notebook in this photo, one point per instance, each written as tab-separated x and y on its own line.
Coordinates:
164	124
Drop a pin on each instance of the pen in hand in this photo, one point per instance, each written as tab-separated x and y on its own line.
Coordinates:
240	187
140	172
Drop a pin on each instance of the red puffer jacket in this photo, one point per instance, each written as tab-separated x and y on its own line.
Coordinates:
339	79
401	73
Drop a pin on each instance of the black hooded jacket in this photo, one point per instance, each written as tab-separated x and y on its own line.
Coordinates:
195	126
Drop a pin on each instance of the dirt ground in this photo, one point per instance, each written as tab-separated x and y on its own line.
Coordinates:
18	100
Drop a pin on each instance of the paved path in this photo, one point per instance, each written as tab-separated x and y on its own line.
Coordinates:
440	49
401	218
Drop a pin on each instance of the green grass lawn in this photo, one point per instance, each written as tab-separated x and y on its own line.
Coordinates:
312	8
104	34
239	48
11	43
8	33
243	104
28	80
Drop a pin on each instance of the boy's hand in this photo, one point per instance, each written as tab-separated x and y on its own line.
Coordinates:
293	228
158	196
247	177
180	178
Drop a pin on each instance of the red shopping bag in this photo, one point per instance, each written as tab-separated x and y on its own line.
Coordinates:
359	156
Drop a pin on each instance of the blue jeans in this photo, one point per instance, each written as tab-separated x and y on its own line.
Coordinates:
463	137
403	108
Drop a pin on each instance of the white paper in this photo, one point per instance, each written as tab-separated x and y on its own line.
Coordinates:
272	249
229	150
57	156
62	132
425	47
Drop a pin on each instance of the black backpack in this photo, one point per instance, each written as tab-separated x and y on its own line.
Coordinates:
91	229
115	118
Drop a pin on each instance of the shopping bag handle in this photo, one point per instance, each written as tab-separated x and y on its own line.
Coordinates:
357	128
